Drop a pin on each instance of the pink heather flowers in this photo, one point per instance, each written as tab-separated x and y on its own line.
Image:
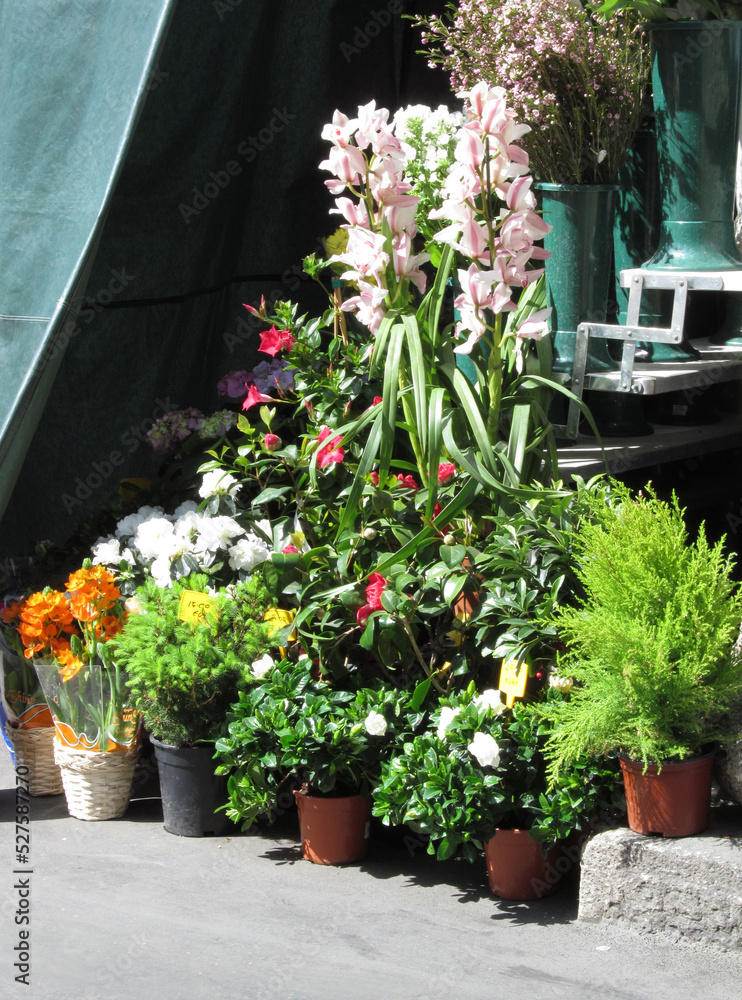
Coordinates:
577	83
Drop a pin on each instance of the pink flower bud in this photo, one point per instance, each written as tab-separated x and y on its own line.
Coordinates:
272	442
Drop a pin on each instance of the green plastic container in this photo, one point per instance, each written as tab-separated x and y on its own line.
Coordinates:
579	272
696	78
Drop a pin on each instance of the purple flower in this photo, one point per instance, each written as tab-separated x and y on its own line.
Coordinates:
234	384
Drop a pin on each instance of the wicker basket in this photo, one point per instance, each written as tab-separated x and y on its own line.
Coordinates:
97	785
34	749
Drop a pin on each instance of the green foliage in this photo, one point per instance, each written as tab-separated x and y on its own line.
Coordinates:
292	729
661	10
183	676
527	569
439	788
651	644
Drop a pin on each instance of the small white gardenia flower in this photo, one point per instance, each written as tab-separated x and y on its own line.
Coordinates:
491	698
218	482
106	552
563	684
128	525
445	719
133	606
217	533
154	538
186	525
262	666
484	747
247	553
187	507
375	724
161	571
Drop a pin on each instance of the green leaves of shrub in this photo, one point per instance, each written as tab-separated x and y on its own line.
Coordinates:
183	676
652	642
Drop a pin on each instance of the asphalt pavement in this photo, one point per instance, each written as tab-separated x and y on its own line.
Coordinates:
123	910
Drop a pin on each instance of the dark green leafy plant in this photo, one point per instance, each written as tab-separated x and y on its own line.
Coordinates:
651	646
183	676
674	10
294	730
524	569
478	767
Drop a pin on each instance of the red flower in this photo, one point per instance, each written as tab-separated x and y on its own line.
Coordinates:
407	481
377	400
330	452
436	511
272	442
254	397
376	584
289	549
256	312
374	476
445	471
272	341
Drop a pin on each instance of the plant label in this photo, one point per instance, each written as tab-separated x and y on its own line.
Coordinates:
194	606
513	680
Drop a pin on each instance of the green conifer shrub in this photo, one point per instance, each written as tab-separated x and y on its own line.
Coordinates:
652	643
183	676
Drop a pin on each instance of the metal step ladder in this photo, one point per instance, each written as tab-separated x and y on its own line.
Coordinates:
638	281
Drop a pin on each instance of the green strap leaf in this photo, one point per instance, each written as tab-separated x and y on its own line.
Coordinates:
435	446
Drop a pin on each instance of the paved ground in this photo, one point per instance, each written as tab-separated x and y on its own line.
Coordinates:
122	909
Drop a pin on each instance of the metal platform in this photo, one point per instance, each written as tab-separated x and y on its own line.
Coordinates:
718	363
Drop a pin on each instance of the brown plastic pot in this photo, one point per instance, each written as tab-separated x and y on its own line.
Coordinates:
468	600
333	831
518	870
674	801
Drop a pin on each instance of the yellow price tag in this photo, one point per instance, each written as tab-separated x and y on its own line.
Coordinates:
195	606
513	680
279	618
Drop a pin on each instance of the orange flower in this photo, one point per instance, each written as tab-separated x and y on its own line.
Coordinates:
69	664
12	612
92	592
45	616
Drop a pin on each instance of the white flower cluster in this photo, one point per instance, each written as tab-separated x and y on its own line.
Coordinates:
428	138
169	546
563	684
375	724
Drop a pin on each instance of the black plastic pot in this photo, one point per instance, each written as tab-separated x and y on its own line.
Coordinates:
191	791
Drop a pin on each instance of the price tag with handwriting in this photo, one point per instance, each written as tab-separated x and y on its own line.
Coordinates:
279	618
195	606
513	680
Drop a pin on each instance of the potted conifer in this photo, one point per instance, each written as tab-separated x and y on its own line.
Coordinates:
183	676
651	647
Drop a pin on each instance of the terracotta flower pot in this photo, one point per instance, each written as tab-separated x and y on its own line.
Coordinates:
333	831
468	600
675	802
518	870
